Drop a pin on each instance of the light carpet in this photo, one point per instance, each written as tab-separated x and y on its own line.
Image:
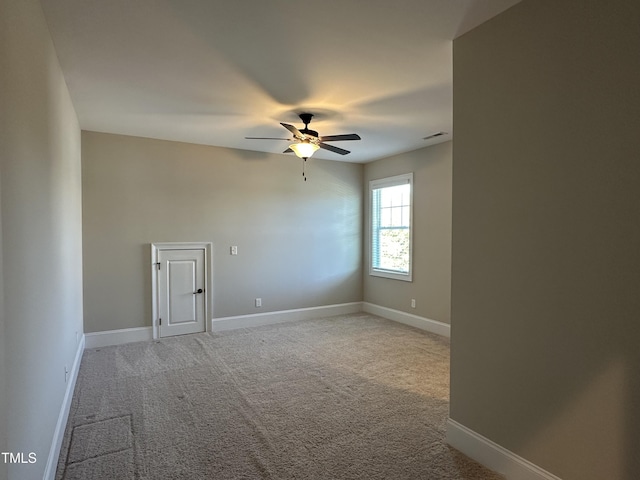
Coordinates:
346	397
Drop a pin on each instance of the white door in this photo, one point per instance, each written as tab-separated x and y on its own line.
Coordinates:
181	295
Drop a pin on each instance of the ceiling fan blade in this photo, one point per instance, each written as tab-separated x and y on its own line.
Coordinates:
336	138
292	129
266	138
288	150
333	149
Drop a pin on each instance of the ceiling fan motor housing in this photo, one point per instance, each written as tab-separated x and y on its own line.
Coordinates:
306	118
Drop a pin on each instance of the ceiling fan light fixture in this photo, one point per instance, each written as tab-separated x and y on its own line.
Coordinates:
304	149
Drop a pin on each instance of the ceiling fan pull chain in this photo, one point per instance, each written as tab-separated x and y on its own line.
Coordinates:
304	161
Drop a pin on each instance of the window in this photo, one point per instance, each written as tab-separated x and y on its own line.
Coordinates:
391	215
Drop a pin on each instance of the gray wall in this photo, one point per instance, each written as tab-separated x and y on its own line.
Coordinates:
299	243
431	286
546	235
41	233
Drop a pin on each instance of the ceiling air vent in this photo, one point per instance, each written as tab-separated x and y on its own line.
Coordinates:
434	135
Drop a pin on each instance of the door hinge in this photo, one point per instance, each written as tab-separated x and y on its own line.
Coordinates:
160	321
158	264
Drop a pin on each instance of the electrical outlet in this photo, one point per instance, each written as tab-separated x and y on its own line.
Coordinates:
413	303
234	250
258	302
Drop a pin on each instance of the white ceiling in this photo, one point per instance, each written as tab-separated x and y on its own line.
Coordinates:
214	71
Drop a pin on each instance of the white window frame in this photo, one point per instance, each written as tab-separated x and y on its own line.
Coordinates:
382	183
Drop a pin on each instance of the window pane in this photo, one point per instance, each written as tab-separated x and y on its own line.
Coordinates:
394	250
385	217
385	198
396	195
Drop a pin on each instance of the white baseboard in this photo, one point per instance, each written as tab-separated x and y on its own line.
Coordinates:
492	455
433	326
63	416
142	334
268	318
118	337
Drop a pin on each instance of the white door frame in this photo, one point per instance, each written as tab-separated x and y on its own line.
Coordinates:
156	248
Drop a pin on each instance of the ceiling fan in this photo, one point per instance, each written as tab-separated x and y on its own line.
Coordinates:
305	142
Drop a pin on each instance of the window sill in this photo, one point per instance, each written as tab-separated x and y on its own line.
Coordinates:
405	277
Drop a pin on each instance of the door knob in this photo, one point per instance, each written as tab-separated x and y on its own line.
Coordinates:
199	291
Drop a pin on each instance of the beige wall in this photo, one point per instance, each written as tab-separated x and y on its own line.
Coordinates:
431	285
4	400
41	234
299	243
546	235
